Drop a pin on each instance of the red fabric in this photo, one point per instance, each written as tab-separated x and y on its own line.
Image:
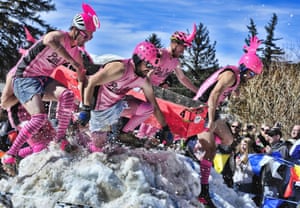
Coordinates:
68	78
294	177
179	118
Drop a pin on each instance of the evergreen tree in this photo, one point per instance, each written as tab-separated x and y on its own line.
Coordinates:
271	51
200	59
14	15
153	38
252	30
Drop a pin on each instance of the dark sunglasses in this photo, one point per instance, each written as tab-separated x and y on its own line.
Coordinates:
264	130
149	66
235	126
244	70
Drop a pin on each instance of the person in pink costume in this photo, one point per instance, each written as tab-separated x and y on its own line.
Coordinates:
169	63
213	91
32	82
115	79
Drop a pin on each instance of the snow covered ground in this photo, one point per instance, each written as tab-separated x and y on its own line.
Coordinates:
127	178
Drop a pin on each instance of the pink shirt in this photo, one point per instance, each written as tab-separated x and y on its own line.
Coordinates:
41	60
210	81
166	67
110	93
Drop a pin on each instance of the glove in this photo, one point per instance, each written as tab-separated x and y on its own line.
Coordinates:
165	136
85	115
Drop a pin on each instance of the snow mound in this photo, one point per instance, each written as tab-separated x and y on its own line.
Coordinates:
135	178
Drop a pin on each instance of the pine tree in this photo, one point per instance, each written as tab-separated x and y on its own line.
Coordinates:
14	15
271	51
252	30
153	38
200	59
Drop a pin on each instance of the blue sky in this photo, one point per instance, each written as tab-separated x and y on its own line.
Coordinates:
124	23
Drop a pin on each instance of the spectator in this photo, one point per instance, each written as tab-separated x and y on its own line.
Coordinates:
243	174
249	130
236	128
276	143
261	139
295	133
229	165
295	149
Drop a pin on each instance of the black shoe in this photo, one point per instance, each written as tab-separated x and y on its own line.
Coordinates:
206	201
204	197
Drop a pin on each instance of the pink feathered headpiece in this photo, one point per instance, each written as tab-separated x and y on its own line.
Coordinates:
250	58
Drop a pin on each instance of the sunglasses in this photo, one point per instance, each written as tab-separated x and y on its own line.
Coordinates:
235	126
84	35
149	66
264	130
244	70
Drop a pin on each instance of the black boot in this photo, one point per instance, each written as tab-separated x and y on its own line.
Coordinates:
204	197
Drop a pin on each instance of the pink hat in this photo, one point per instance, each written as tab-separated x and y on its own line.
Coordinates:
182	36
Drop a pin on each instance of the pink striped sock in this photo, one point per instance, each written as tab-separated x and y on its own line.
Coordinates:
64	112
25	152
32	127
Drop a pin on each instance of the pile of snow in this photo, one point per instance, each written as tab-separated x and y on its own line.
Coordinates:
135	178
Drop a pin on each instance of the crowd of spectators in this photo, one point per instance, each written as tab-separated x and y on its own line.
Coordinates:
266	139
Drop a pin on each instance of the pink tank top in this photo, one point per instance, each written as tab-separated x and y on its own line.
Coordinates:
40	60
214	78
110	93
166	67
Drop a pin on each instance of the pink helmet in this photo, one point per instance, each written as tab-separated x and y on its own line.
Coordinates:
250	59
87	20
182	37
146	51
